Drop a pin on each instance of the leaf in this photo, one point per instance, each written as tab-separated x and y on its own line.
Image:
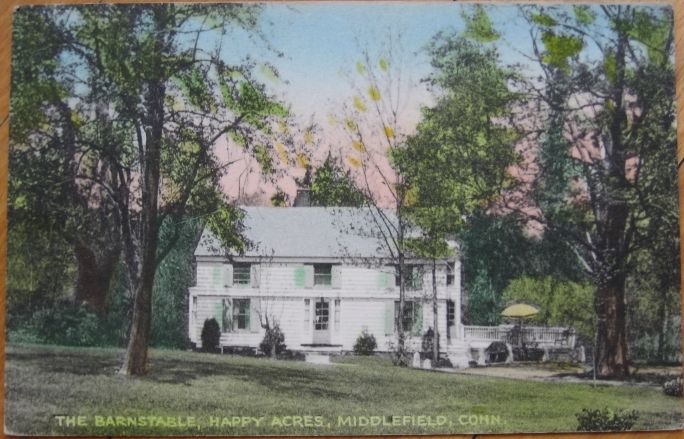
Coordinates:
544	19
610	67
560	48
359	104
374	93
353	161
308	137
358	145
383	64
479	27
332	120
263	158
584	14
389	132
282	153
269	72
283	128
302	160
360	68
351	125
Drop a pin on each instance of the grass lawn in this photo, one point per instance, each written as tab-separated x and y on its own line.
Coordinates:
43	381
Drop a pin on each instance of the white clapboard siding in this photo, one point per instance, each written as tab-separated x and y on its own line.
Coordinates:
279	290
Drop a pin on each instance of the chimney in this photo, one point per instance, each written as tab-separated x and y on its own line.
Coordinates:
303	198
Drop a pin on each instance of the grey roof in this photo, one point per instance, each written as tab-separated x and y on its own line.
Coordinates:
307	232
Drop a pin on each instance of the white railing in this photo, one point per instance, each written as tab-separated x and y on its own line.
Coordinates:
540	335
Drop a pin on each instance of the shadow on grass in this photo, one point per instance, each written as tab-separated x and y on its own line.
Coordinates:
274	376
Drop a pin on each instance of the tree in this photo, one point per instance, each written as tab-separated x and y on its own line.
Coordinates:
608	130
464	126
373	129
560	303
149	153
332	186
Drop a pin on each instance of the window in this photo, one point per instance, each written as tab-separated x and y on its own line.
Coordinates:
322	315
194	272
451	268
194	308
451	313
240	314
322	274
413	276
412	320
241	274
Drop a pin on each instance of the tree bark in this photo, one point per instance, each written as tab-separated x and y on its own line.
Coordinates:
94	276
612	340
135	361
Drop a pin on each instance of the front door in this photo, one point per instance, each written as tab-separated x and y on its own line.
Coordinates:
321	334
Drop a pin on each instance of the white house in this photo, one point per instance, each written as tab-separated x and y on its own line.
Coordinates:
325	275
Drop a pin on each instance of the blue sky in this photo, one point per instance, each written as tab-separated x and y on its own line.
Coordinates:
322	41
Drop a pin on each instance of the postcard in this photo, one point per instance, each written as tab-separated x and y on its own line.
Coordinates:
342	218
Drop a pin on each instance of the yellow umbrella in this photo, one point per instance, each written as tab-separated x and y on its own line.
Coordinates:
520	311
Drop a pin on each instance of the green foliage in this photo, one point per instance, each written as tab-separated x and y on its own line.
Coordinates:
332	186
211	335
559	49
673	387
561	303
69	325
478	25
606	420
427	343
273	342
365	343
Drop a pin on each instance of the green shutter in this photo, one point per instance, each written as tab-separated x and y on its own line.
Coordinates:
218	314
382	279
389	317
417	318
216	275
300	277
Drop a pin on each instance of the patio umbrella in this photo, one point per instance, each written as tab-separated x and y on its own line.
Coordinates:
520	311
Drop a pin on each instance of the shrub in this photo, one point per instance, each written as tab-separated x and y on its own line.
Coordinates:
400	356
605	420
365	343
211	335
67	324
427	343
673	387
274	341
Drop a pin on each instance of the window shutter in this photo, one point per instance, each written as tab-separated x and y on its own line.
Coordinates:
299	277
418	273
255	276
309	276
385	279
254	319
226	320
389	317
227	275
218	314
417	318
336	276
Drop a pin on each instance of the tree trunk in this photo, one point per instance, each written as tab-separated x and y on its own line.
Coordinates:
94	277
135	361
435	339
612	341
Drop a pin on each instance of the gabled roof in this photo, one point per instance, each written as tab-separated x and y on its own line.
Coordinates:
308	232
